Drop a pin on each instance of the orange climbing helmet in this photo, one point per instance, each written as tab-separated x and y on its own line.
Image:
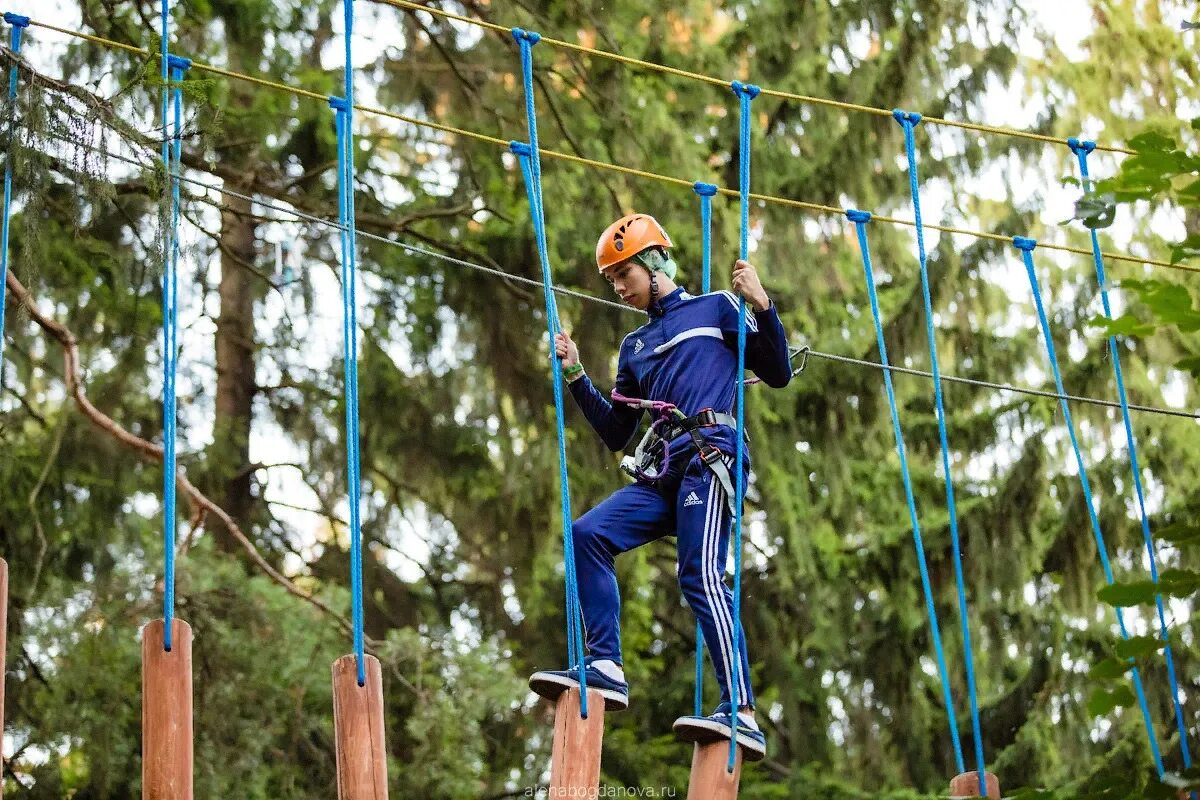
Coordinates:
627	237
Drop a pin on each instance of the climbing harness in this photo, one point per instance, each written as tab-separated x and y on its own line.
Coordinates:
653	453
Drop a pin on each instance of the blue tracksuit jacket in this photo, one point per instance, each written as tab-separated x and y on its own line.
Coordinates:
685	354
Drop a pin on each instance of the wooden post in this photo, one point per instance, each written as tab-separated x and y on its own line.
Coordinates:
167	712
711	778
575	760
3	651
358	730
967	785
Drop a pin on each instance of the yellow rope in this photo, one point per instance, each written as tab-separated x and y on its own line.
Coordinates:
697	76
784	201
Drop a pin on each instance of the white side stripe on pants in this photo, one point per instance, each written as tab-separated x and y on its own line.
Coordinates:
713	584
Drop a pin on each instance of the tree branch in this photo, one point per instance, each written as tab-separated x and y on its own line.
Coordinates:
150	451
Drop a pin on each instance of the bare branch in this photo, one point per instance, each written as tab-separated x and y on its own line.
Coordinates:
150	451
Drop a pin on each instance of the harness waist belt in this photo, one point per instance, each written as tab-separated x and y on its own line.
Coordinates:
704	419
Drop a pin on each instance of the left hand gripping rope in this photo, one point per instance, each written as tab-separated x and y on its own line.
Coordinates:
531	171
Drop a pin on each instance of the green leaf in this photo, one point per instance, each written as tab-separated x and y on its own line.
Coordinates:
1128	594
1102	701
1190	364
1188	248
1124	325
1151	141
1190	194
1138	647
1109	669
1180	582
1181	534
1096	210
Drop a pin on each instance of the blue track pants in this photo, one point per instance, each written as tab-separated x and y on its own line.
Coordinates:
690	503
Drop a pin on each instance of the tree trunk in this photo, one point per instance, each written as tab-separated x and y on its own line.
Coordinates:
235	345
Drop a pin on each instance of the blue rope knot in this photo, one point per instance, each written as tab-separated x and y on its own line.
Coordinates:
16	20
180	64
910	117
704	189
747	89
338	103
857	216
520	149
522	35
1024	243
1078	146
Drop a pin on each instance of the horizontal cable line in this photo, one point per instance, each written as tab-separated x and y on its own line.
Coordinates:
767	198
334	225
698	76
1005	387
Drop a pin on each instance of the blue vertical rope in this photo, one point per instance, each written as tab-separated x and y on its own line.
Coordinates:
18	23
1026	247
908	120
177	66
170	310
860	220
350	370
746	92
1081	149
706	192
343	110
531	170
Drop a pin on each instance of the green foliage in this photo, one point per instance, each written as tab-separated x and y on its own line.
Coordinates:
463	546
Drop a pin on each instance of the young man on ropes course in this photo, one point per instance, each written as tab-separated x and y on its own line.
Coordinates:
681	366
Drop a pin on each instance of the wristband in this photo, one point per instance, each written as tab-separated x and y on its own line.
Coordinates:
572	371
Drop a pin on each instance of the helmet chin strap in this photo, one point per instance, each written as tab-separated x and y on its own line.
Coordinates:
653	286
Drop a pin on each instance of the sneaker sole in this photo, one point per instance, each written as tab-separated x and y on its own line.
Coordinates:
707	732
550	686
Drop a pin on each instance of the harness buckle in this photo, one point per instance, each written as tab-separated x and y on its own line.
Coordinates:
709	454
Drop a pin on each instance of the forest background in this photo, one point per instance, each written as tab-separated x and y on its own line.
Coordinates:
462	543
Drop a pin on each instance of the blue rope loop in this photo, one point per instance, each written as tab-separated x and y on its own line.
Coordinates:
1024	243
860	220
1081	146
531	171
745	89
15	43
908	120
520	149
704	189
1026	247
180	64
745	92
1081	150
522	35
